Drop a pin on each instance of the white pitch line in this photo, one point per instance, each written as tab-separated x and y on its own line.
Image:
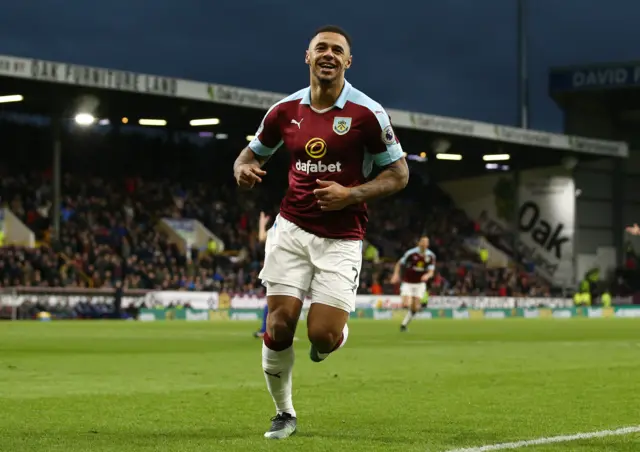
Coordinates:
551	439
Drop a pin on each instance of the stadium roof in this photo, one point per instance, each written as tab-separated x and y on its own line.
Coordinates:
53	88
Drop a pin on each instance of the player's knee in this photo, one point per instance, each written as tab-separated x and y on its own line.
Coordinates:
281	326
324	340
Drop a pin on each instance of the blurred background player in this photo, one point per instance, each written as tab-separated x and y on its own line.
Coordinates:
263	237
416	267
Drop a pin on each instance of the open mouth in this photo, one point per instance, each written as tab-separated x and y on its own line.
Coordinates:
327	66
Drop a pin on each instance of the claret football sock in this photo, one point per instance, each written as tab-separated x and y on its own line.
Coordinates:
316	356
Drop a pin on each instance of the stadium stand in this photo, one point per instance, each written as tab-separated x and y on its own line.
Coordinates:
594	107
109	215
120	181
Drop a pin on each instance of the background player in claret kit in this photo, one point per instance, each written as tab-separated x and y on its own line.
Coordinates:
334	135
416	267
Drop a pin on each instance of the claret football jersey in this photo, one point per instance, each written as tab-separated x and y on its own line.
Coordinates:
340	144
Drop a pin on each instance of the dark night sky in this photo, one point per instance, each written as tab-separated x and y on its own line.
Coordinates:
453	57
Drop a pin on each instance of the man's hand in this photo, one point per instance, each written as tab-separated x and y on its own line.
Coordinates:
425	278
262	227
248	174
633	230
332	196
395	279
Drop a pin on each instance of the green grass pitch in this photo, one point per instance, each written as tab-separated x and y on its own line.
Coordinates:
198	386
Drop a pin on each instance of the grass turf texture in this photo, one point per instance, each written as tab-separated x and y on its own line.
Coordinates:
198	386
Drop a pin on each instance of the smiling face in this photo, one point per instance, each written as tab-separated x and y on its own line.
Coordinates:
328	57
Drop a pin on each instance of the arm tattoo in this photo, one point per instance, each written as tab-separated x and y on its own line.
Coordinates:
393	179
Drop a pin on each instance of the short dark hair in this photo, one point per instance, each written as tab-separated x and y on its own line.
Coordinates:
334	29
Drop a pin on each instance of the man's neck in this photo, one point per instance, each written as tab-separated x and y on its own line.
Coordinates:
325	95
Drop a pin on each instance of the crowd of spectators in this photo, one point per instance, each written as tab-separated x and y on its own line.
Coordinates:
116	186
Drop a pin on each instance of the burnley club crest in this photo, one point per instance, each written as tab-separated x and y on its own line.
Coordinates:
341	125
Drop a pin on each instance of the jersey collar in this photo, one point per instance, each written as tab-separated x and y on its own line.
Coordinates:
340	101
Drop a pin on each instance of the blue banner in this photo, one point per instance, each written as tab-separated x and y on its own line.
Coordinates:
185	228
594	77
181	224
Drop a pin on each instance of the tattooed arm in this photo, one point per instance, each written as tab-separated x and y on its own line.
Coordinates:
391	180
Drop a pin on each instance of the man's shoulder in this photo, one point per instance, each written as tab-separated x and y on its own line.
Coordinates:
292	98
411	251
359	98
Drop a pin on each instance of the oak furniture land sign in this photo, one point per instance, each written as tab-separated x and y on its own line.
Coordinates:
111	79
545	215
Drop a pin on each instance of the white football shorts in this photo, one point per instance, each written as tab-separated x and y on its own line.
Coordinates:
326	270
413	289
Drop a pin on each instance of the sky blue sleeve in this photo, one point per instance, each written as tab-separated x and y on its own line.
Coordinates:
433	260
405	256
386	148
268	137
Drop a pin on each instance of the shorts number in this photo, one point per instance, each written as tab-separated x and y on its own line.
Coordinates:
355	279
